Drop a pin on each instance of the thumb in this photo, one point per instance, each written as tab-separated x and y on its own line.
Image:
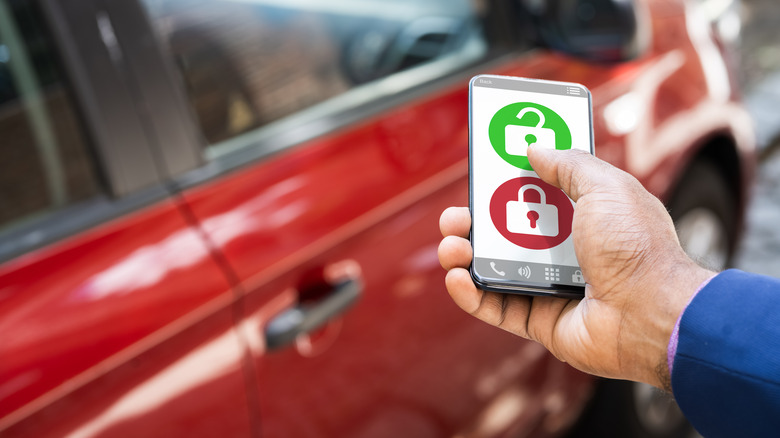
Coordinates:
576	172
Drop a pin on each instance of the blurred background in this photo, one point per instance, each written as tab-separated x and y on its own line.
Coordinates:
220	218
760	75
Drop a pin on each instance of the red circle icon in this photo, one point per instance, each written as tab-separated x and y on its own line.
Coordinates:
531	213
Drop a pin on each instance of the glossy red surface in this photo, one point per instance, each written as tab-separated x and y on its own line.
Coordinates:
131	329
79	318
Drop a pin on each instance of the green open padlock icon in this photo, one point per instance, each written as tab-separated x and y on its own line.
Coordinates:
517	138
515	126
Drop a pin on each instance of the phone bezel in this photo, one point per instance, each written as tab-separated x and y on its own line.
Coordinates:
514	286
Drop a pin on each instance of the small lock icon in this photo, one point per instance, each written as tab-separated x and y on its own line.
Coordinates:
577	277
529	217
517	138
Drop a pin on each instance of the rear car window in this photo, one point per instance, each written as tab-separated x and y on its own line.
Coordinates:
247	64
44	160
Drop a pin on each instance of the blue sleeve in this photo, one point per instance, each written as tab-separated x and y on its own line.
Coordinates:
726	374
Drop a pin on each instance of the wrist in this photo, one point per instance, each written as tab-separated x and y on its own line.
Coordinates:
662	305
671	351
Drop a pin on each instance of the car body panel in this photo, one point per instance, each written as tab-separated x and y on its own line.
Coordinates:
80	318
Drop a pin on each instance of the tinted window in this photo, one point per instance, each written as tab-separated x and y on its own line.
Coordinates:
247	64
44	163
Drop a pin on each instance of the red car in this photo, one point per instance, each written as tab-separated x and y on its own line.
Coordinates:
220	218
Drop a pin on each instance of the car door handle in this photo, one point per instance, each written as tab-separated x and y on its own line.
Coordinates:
286	327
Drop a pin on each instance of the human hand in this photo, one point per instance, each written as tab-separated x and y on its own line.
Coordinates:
638	279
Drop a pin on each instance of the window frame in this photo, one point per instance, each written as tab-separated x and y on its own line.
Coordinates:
104	99
316	121
136	118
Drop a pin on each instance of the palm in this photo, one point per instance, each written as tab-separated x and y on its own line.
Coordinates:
625	242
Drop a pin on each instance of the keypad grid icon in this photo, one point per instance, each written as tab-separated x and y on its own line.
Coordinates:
552	274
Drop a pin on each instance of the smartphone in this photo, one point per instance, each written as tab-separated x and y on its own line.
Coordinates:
520	225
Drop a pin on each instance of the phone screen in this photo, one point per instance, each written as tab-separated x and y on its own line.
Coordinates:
521	226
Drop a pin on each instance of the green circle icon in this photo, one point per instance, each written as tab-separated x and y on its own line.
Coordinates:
516	126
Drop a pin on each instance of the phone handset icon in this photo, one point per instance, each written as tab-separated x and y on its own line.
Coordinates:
493	267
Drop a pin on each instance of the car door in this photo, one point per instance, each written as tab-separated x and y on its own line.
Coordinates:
335	134
115	318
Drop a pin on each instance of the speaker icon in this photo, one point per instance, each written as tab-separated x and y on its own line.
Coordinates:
525	271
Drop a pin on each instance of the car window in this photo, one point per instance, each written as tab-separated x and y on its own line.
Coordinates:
247	64
44	161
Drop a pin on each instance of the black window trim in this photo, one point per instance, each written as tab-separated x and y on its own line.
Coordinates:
50	227
171	130
102	88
